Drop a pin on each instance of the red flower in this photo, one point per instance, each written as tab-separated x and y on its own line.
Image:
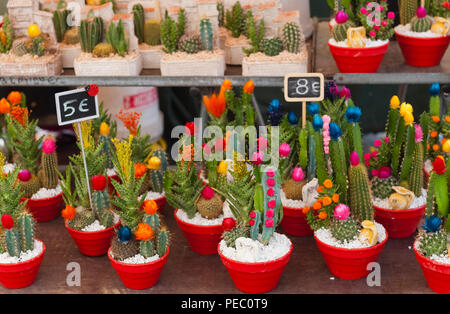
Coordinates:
98	182
228	223
439	165
92	90
190	128
7	221
207	193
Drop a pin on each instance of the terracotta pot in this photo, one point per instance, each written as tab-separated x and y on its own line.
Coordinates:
202	239
45	209
255	277
22	274
399	223
349	263
93	243
358	60
423	52
294	222
139	276
436	274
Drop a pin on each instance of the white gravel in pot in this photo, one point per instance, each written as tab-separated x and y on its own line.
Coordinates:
405	30
369	43
417	202
251	251
444	258
138	259
326	237
309	195
201	221
9	167
96	226
46	193
5	258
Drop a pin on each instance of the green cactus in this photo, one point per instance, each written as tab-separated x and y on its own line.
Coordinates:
37	47
48	172
255	34
206	34
82	219
162	241
303	149
146	248
100	202
152	220
271	221
210	208
271	47
172	31
71	36
152	33
254	230
355	139
235	20
6	35
107	218
26	227
339	31
408	154
60	23
107	149
240	231
293	37
311	170
13	242
221	10
360	194
123	250
382	187
397	146
91	33
115	35
344	230
190	44
103	50
19	46
339	165
433	243
407	9
31	186
425	125
139	21
421	24
416	174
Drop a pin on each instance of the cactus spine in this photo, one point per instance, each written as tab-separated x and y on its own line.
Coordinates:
31	186
190	44
26	226
339	31
271	46
293	37
360	194
146	248
206	34
230	236
139	21
433	243
407	9
115	35
107	218
91	33
344	230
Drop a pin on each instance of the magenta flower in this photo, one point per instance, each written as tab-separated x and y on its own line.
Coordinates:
270	192
48	146
367	156
270	213
270	182
363	11
386	139
354	159
421	12
345	92
341	17
24	175
384	172
383	23
374	173
372	33
269	223
271	204
377	27
341	212
284	150
391	15
377	143
252	214
375	154
262	143
298	174
418	135
270	173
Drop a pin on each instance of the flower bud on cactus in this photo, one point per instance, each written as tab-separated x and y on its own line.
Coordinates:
7	221
49	163
421	22
24	175
98	182
341	212
284	150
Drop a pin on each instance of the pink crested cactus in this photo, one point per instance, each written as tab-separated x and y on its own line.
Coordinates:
298	174
341	212
418	135
341	17
421	12
24	175
354	159
207	193
48	146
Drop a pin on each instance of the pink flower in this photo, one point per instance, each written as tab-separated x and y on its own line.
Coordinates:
418	135
383	23
252	214
284	150
391	15
375	154
270	173
377	27
270	182
251	222
262	143
341	212
269	223
386	139
257	158
298	174
271	204
384	172
326	119
24	175
372	33
207	193
270	213
380	8
354	159
374	172
48	146
270	192
377	143
363	11
367	156
376	21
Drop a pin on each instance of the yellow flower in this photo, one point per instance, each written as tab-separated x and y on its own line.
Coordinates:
446	146
395	102
222	167
404	108
154	163
104	128
409	118
33	31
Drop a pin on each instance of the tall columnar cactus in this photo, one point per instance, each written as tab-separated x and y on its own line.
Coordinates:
303	148
360	194
407	9
162	241
157	165
49	164
115	36
91	33
235	20
206	34
221	10
293	37
6	35
416	174
26	227
152	33
146	248
353	114
172	31
273	210
338	161
255	34
408	153
139	21
319	154
60	23
398	145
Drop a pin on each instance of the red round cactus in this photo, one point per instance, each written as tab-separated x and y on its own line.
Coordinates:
98	182
48	146
207	193
228	223
7	221
24	175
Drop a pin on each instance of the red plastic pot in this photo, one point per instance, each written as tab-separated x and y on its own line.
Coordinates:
436	274
45	209
255	277
92	243
139	276
22	274
358	60
161	202
423	52
399	223
294	222
202	239
349	263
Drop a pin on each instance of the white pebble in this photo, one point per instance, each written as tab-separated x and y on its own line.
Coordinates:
417	202
111	172
405	30
369	43
8	168
46	193
325	236
139	259
96	226
152	195
253	251
5	258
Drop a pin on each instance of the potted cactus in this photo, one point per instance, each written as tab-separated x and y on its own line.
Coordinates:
32	55
140	247
21	253
38	177
89	219
185	54
253	253
149	36
111	58
432	245
423	34
397	180
67	37
275	56
360	36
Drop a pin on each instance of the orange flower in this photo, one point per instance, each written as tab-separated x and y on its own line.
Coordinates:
306	209
320	189
68	213
226	85
328	183
433	134
335	198
5	107
144	232
139	170
443	141
326	201
320	200
435	119
447	119
215	104
435	147
323	215
428	146
15	98
317	206
20	114
249	87
150	207
130	120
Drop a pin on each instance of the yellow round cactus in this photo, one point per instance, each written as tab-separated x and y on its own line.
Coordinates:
222	167
33	31
154	163
395	102
104	128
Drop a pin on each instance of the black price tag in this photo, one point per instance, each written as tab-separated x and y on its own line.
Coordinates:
304	87
76	106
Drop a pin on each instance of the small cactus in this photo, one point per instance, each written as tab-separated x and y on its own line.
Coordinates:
162	241
433	243
139	21
344	230
339	31
71	36
230	236
191	44
210	204
19	46
124	249
421	22
60	23
6	35
146	248
103	50
29	184
271	46
206	34
360	194
221	10
152	220
91	33
13	242
26	226
293	37
115	35
382	187
49	164
107	218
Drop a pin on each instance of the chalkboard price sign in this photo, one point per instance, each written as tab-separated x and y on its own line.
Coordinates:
304	87
75	106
